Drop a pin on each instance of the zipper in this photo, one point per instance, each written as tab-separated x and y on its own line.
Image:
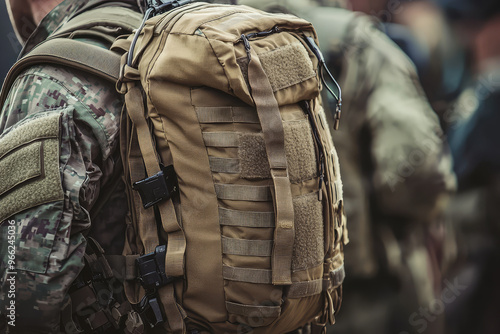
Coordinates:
321	152
246	38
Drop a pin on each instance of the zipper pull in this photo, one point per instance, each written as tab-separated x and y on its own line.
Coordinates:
247	46
338	113
322	66
321	176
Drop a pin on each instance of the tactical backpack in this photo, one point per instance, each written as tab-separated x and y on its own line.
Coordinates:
236	216
236	220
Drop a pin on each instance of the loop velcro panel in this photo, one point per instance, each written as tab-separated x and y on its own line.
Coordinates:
287	66
29	165
253	156
300	150
308	247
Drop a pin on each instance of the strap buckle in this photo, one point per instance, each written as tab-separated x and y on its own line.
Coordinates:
152	276
156	188
152	269
149	310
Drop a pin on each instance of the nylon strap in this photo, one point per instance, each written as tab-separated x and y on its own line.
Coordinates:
175	314
67	52
243	193
221	139
245	247
337	276
274	138
305	289
135	109
261	276
229	217
227	115
115	16
176	245
253	310
176	241
224	165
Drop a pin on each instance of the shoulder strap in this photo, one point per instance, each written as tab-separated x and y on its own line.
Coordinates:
76	54
109	17
66	52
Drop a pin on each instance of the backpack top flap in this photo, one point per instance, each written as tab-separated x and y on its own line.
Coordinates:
205	47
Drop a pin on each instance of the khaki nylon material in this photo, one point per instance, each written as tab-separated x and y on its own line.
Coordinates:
272	127
198	104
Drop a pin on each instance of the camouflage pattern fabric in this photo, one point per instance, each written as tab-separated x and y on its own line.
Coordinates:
49	238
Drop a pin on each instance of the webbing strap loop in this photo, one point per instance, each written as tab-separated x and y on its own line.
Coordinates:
274	138
176	241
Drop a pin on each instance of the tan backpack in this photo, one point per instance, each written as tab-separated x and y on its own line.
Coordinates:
236	220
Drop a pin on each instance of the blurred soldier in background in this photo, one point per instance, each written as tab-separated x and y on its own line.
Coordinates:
474	137
397	175
10	44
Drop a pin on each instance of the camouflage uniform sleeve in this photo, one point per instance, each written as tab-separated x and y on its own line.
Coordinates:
48	240
412	163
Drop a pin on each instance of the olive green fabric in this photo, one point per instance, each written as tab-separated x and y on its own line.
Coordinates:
230	123
29	165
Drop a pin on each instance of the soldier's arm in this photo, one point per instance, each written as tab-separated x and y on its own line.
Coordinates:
63	128
413	170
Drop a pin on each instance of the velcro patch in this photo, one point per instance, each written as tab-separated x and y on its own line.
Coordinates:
287	66
300	150
253	157
308	248
29	165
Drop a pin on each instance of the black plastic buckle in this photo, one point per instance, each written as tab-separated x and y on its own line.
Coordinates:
152	269
150	311
159	187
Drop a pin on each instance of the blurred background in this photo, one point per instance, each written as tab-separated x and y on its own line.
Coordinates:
455	47
8	40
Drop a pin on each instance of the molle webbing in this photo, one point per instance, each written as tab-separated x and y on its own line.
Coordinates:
224	165
221	139
245	247
227	115
249	275
243	193
229	217
264	276
274	138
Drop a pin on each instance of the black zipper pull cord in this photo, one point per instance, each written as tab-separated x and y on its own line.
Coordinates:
152	10
322	66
